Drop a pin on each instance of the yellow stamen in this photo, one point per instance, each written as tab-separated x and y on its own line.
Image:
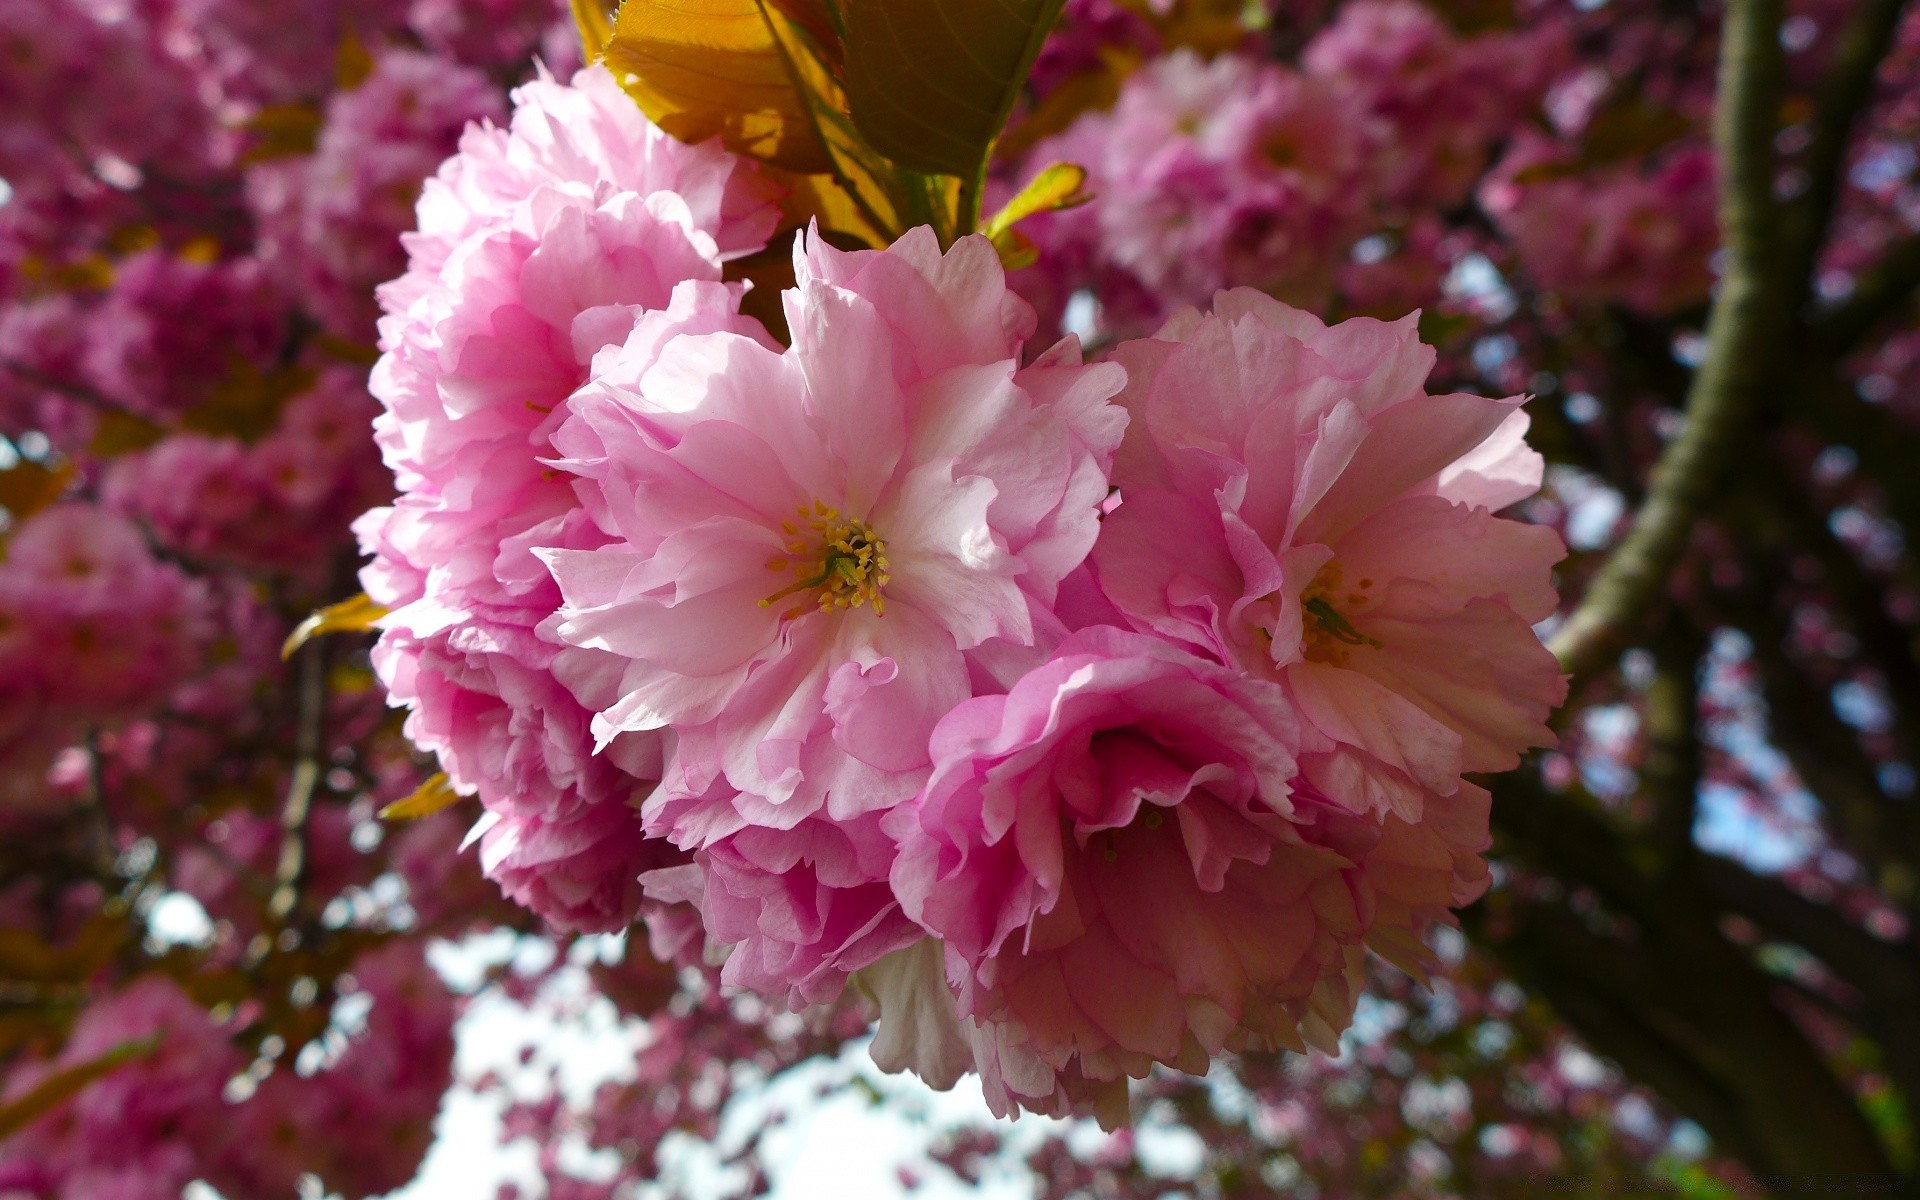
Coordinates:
1328	633
843	563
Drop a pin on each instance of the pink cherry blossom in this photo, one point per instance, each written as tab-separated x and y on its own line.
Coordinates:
1125	873
857	512
142	356
330	223
147	1129
363	1113
1637	234
1338	534
91	626
538	247
1233	171
1435	104
274	505
808	547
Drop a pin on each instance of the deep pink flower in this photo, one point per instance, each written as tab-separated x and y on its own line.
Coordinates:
140	353
1434	104
364	1119
92	627
330	223
1638	234
1337	533
274	505
1125	873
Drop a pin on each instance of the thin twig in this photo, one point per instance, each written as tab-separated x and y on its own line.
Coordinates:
1671	770
78	392
1743	334
1845	93
309	741
1880	294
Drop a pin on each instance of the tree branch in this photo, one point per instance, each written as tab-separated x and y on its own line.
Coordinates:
1671	771
1743	335
309	742
1845	93
1881	293
1682	1007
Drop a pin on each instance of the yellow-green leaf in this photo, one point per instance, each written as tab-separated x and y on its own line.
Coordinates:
931	81
771	79
590	18
352	62
27	486
247	401
283	131
61	1086
1057	186
714	68
349	616
117	431
427	799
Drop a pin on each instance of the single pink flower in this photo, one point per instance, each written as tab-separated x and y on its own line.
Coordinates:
1337	533
1125	872
806	545
810	555
539	247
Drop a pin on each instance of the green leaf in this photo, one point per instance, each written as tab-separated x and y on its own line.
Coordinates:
349	616
1057	186
931	81
62	1086
842	94
429	798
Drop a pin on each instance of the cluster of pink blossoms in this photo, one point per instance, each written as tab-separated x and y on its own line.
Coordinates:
1087	715
168	1116
1238	170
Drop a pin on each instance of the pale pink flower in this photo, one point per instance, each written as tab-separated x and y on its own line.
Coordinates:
1125	873
1337	533
808	550
800	907
538	247
806	545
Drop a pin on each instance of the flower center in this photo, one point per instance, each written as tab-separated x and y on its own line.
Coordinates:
1329	636
837	558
